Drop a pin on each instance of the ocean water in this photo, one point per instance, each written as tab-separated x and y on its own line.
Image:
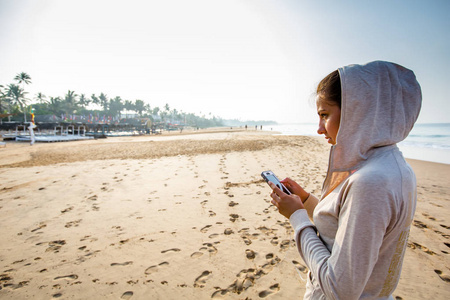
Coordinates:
429	142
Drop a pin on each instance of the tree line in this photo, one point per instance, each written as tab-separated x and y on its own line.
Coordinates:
14	102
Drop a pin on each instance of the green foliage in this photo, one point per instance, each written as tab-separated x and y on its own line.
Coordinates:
13	100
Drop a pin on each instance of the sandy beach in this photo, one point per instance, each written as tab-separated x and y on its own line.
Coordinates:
181	216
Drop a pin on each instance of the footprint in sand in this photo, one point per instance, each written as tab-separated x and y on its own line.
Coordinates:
209	247
245	237
250	254
67	209
201	280
93	198
413	245
228	231
446	236
155	268
274	241
73	223
127	295
245	279
429	217
171	250
419	224
71	276
273	289
444	277
234	217
300	267
205	229
284	245
5	279
55	246
272	259
88	237
41	225
122	264
271	262
444	226
196	254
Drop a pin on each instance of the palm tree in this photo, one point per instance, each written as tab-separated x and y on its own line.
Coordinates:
115	106
128	105
103	101
139	107
148	109
70	100
4	102
174	114
163	114
41	98
16	95
3	98
23	78
156	111
83	101
95	100
55	105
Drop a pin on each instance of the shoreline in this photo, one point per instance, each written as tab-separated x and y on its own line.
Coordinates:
13	146
418	145
181	217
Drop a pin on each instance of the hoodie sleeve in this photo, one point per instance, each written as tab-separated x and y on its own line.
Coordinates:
364	216
302	218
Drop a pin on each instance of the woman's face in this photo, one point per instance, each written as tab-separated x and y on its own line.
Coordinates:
330	118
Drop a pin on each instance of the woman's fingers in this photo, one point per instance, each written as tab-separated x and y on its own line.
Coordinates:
275	189
274	202
295	188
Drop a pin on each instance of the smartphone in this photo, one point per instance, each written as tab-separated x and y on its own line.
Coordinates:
270	176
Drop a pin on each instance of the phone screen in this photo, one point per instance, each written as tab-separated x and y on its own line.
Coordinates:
270	176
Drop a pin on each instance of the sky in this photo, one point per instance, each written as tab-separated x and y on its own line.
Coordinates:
247	59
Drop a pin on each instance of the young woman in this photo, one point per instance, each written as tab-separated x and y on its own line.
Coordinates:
354	248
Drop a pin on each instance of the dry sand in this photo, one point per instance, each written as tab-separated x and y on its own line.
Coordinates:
180	217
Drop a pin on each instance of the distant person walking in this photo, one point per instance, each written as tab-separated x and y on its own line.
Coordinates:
32	136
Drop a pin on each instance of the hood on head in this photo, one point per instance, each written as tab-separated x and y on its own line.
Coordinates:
380	104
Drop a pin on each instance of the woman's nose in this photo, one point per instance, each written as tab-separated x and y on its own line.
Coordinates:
321	129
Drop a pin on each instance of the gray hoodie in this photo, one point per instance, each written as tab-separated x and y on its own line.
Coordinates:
355	247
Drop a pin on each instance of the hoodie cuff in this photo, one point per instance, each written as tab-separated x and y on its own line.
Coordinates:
300	220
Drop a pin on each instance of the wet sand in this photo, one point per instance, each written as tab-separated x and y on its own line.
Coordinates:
180	217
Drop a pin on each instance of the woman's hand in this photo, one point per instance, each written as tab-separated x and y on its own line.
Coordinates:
295	188
286	204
